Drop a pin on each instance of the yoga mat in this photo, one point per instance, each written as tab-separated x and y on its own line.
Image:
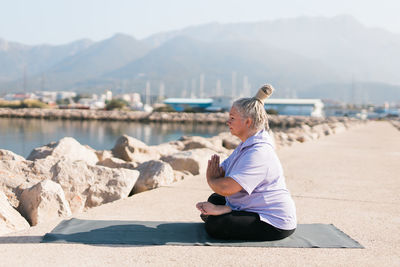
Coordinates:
139	233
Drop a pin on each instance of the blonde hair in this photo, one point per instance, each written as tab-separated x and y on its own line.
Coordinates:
253	107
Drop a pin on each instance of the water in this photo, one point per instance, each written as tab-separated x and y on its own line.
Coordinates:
22	135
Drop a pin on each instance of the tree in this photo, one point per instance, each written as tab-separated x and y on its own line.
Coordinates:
116	104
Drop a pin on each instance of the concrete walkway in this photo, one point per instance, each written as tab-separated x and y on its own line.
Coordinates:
351	179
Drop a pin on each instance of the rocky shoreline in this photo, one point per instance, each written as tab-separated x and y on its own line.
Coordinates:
65	177
396	123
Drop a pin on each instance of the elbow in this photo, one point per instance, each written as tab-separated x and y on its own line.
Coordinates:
224	191
224	186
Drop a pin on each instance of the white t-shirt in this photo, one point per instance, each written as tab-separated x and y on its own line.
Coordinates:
256	167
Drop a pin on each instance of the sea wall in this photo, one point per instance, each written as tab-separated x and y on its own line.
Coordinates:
122	115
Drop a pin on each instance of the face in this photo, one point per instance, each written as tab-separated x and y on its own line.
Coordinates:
237	125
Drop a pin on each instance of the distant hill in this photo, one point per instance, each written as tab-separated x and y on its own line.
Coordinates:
341	42
184	59
14	57
306	57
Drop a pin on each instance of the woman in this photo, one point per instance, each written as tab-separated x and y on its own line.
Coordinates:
251	201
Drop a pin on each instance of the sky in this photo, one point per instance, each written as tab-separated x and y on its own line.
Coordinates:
56	22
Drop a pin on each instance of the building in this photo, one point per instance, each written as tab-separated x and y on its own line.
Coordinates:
221	103
300	107
182	104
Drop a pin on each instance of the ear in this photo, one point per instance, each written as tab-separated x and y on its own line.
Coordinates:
248	122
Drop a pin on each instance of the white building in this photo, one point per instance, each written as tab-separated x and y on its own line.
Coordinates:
92	103
108	95
65	95
300	107
221	103
133	100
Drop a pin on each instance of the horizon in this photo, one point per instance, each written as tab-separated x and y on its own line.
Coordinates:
69	21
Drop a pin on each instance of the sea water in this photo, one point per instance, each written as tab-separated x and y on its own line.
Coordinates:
22	135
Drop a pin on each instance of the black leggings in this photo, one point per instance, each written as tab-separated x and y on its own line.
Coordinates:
241	225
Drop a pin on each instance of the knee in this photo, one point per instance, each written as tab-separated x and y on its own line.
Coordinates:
217	199
215	228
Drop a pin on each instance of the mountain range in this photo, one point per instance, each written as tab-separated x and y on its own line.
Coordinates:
336	58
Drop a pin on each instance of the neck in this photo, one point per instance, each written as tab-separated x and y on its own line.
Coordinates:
248	134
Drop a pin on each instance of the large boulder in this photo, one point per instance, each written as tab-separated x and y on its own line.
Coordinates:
193	142
117	163
338	127
322	130
195	161
103	154
132	149
153	174
169	148
16	175
66	147
10	219
9	155
87	186
43	202
229	141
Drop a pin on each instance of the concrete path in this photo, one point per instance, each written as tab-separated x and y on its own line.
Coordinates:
351	179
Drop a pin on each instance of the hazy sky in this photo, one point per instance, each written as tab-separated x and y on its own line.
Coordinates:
63	21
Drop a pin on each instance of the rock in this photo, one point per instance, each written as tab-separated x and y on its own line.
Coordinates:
117	163
338	127
87	186
229	141
68	148
195	161
302	137
169	148
132	149
103	154
153	174
192	142
180	175
272	135
10	219
322	130
8	155
43	202
16	176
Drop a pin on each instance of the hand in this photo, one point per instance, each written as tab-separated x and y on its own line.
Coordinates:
208	208
213	168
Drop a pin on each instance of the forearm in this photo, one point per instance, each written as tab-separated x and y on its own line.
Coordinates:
222	186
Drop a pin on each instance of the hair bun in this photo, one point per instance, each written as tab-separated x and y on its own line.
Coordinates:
264	92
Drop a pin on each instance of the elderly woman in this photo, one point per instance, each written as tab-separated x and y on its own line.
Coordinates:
251	201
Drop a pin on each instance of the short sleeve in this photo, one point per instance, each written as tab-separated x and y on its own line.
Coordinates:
251	169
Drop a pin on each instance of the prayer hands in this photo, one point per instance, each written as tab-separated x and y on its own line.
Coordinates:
213	168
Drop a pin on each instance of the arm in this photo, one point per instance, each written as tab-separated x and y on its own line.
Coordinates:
221	185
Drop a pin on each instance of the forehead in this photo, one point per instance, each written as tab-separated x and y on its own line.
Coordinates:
234	112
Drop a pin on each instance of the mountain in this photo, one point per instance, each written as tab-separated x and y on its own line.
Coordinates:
183	58
89	63
17	58
342	42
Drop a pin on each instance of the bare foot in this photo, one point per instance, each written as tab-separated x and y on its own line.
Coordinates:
208	208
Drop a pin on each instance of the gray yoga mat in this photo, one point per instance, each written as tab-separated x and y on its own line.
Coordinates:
139	233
